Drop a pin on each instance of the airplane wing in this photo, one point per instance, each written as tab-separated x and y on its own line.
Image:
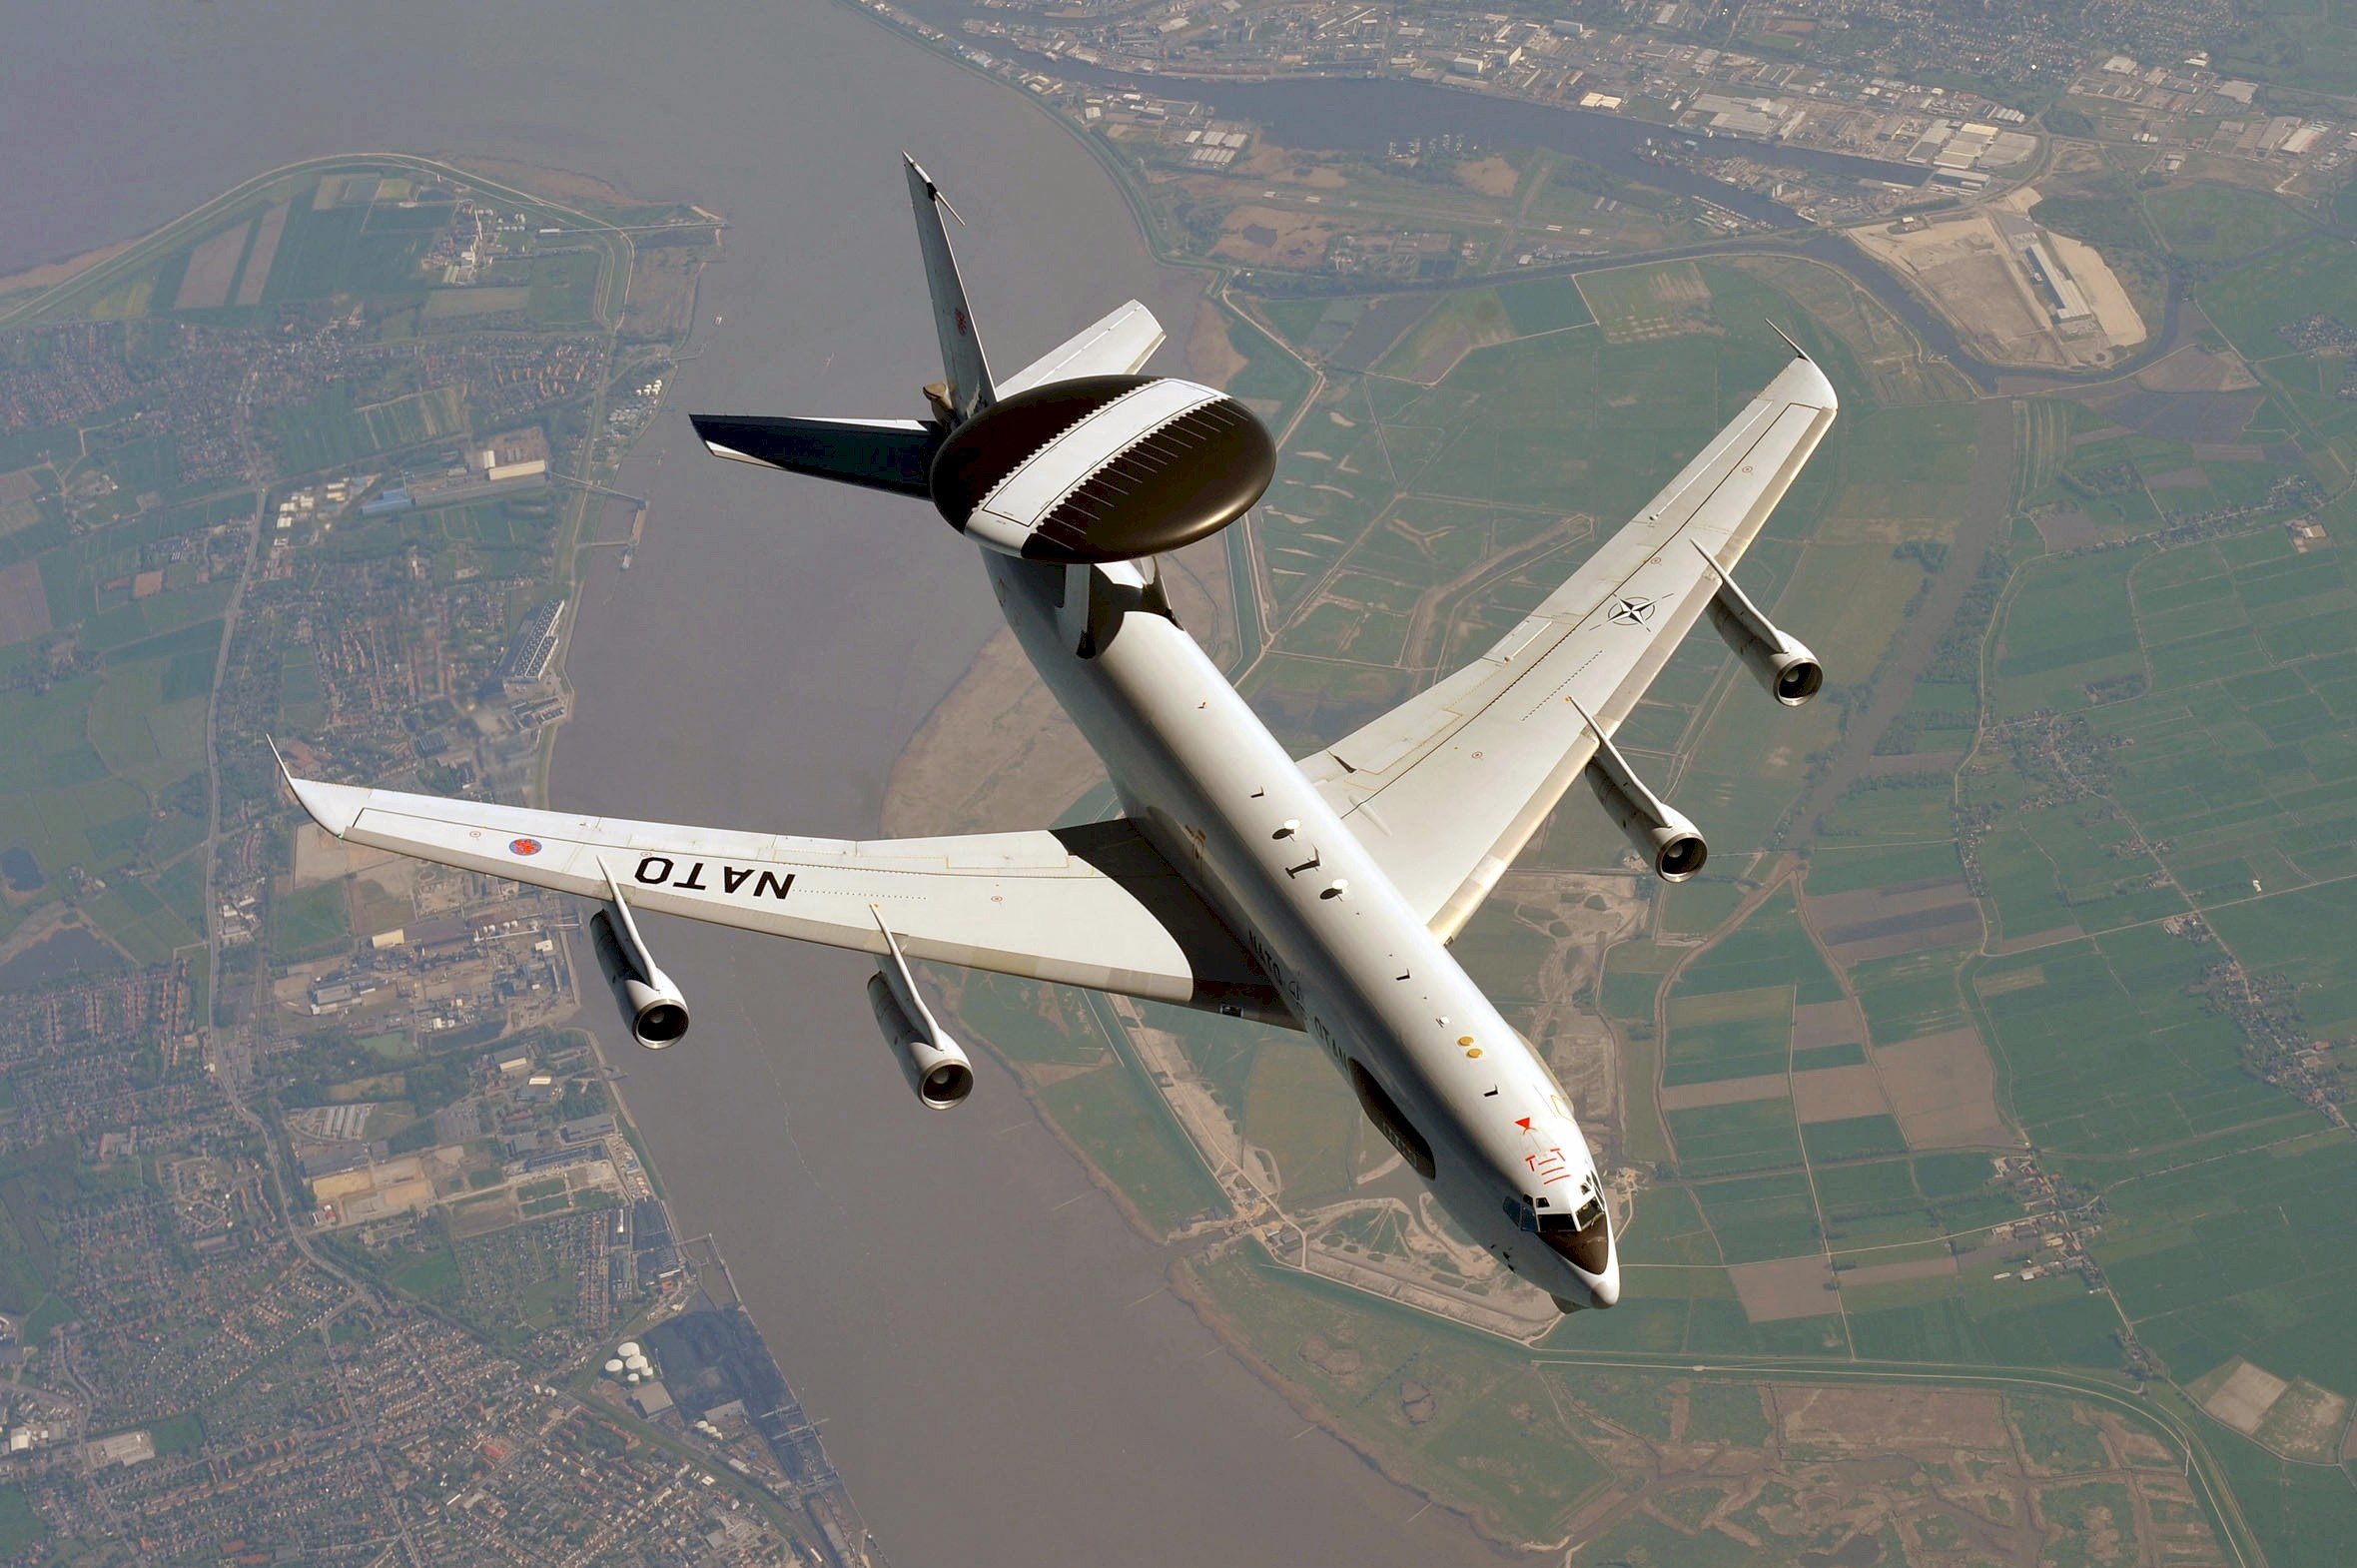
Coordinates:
1446	789
1115	346
1093	906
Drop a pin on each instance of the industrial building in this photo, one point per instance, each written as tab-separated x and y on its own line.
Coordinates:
2070	305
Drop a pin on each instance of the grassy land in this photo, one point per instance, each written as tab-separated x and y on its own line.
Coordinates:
21	1529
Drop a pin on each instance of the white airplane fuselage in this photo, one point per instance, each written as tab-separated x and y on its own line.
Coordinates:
1362	973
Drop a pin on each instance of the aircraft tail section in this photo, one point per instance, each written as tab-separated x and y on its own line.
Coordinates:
967	371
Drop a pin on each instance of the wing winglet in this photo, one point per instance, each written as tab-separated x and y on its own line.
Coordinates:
335	807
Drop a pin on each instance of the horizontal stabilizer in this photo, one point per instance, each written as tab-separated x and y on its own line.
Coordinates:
882	454
1118	344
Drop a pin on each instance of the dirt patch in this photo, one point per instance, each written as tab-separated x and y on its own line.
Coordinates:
1336	1361
2037	938
1291	166
1833	1094
1943	1089
1210	354
1967	272
1673	301
2244	1396
560	185
1918	1420
1893	1273
212	268
662	297
50	273
1886	922
1787	1287
266	251
1491	176
319	858
2114	312
2067	528
997	753
1912	763
483	1217
1273	236
24	607
2305	1424
2196	369
1867	904
1384	324
1827	1024
1726	1092
1958	925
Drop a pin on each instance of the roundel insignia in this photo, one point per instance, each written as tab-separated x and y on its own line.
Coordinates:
1630	612
524	847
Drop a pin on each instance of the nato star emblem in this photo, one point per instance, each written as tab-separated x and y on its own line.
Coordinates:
1630	612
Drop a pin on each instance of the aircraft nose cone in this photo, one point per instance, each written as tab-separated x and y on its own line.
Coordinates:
1607	1289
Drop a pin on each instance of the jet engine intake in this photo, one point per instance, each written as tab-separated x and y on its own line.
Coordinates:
1781	663
936	1065
1664	836
651	1001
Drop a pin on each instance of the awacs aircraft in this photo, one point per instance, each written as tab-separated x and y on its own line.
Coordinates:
1321	893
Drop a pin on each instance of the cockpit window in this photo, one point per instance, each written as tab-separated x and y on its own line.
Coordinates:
1585	1237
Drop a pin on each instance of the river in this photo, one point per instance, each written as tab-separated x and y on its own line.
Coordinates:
1373	114
999	1370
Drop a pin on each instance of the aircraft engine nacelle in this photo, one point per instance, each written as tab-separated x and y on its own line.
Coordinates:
649	999
1782	663
936	1065
1664	836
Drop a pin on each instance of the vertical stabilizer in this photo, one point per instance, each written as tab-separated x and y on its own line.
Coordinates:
969	373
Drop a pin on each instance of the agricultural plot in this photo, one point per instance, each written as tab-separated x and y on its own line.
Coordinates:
2213	682
1911	996
105	771
2108	1048
2247	1255
1758	1134
330	430
1769	948
2265	307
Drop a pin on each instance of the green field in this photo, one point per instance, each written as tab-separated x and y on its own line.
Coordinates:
1121	1127
106	772
21	1528
2220	223
1296	1108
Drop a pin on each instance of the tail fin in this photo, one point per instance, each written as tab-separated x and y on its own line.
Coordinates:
970	391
